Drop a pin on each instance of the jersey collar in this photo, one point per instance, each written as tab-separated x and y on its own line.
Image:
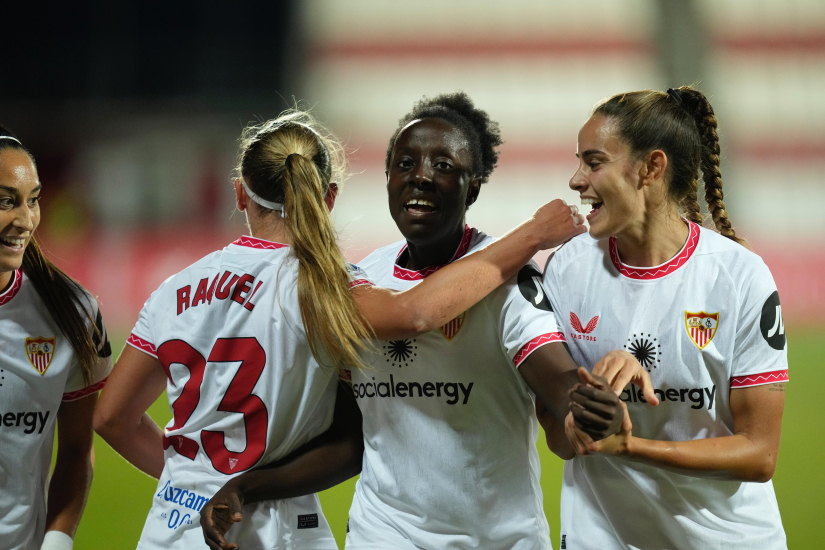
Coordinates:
254	242
410	275
13	288
649	273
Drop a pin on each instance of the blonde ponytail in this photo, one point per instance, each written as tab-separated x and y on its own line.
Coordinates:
291	160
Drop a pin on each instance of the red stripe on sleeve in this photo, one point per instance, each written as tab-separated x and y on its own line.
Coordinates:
759	379
536	343
74	395
143	345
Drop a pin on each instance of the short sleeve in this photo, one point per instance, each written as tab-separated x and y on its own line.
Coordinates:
760	354
77	386
357	276
141	336
526	318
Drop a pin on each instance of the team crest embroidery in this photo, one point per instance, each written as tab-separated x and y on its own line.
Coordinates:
40	351
701	327
451	329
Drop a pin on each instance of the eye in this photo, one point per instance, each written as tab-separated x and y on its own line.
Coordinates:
404	164
34	200
593	164
443	165
6	202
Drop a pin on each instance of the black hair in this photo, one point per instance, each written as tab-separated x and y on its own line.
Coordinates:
458	109
63	296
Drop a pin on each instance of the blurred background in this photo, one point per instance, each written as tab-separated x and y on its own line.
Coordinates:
133	109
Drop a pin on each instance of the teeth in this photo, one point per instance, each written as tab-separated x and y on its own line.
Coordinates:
588	200
421	202
13	241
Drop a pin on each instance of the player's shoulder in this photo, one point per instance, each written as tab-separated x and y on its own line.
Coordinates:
737	260
580	248
380	258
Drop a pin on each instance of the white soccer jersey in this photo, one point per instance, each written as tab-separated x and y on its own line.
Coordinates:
38	370
704	323
244	389
450	430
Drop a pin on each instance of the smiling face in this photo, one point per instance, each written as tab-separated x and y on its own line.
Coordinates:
608	178
19	209
430	182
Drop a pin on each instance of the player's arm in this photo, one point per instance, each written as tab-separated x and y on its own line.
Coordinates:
457	287
748	455
551	373
135	383
329	459
72	476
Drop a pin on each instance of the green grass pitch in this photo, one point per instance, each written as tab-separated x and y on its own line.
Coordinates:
121	495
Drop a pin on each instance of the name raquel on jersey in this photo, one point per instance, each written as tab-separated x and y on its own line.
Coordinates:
367	390
239	288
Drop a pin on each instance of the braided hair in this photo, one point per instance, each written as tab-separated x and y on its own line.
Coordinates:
482	133
681	123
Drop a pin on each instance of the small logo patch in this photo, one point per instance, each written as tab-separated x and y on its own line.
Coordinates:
645	349
701	327
308	521
583	333
232	463
400	352
529	284
771	324
564	542
40	351
451	329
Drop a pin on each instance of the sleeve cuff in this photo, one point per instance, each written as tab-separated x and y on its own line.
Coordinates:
759	379
143	345
88	390
535	344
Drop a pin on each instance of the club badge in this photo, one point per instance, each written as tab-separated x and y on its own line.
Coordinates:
701	327
451	329
40	351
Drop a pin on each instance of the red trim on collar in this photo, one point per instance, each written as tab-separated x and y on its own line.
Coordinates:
254	242
410	275
648	273
13	289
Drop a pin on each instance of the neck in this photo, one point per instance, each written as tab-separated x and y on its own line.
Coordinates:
440	252
269	229
5	280
654	241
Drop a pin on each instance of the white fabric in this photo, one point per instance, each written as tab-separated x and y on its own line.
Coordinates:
612	503
246	292
57	540
29	401
449	425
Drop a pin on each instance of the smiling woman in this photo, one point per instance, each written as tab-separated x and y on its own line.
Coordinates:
56	357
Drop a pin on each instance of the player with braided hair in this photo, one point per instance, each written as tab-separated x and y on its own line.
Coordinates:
699	310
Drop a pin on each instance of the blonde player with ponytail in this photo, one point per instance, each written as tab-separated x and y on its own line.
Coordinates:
249	341
54	357
699	310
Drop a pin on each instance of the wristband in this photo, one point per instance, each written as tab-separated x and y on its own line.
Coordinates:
57	540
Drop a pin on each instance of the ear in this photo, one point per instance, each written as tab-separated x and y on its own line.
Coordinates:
332	194
654	167
473	191
240	196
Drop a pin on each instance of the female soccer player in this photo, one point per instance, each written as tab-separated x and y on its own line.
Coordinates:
234	339
699	310
55	357
449	426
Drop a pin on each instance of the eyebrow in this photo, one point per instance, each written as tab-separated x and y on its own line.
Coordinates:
590	152
15	191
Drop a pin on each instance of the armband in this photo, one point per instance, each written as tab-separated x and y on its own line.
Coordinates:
57	540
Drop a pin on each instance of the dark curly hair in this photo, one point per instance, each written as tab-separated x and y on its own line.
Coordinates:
458	109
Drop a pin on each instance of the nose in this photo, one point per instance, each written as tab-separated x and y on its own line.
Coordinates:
24	220
578	182
422	175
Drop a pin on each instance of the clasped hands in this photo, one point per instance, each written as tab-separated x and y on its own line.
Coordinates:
598	421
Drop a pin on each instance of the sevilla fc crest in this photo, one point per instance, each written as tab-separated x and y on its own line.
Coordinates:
451	329
40	351
701	327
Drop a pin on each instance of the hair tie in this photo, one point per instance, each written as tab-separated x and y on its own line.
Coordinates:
289	157
675	94
12	139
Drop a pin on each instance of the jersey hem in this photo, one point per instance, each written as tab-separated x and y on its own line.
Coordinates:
143	345
88	390
758	379
535	344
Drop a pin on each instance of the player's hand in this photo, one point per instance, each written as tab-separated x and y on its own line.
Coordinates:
219	514
621	368
617	444
556	223
596	408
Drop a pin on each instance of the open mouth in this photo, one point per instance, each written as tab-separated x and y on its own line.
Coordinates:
595	205
419	206
15	243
